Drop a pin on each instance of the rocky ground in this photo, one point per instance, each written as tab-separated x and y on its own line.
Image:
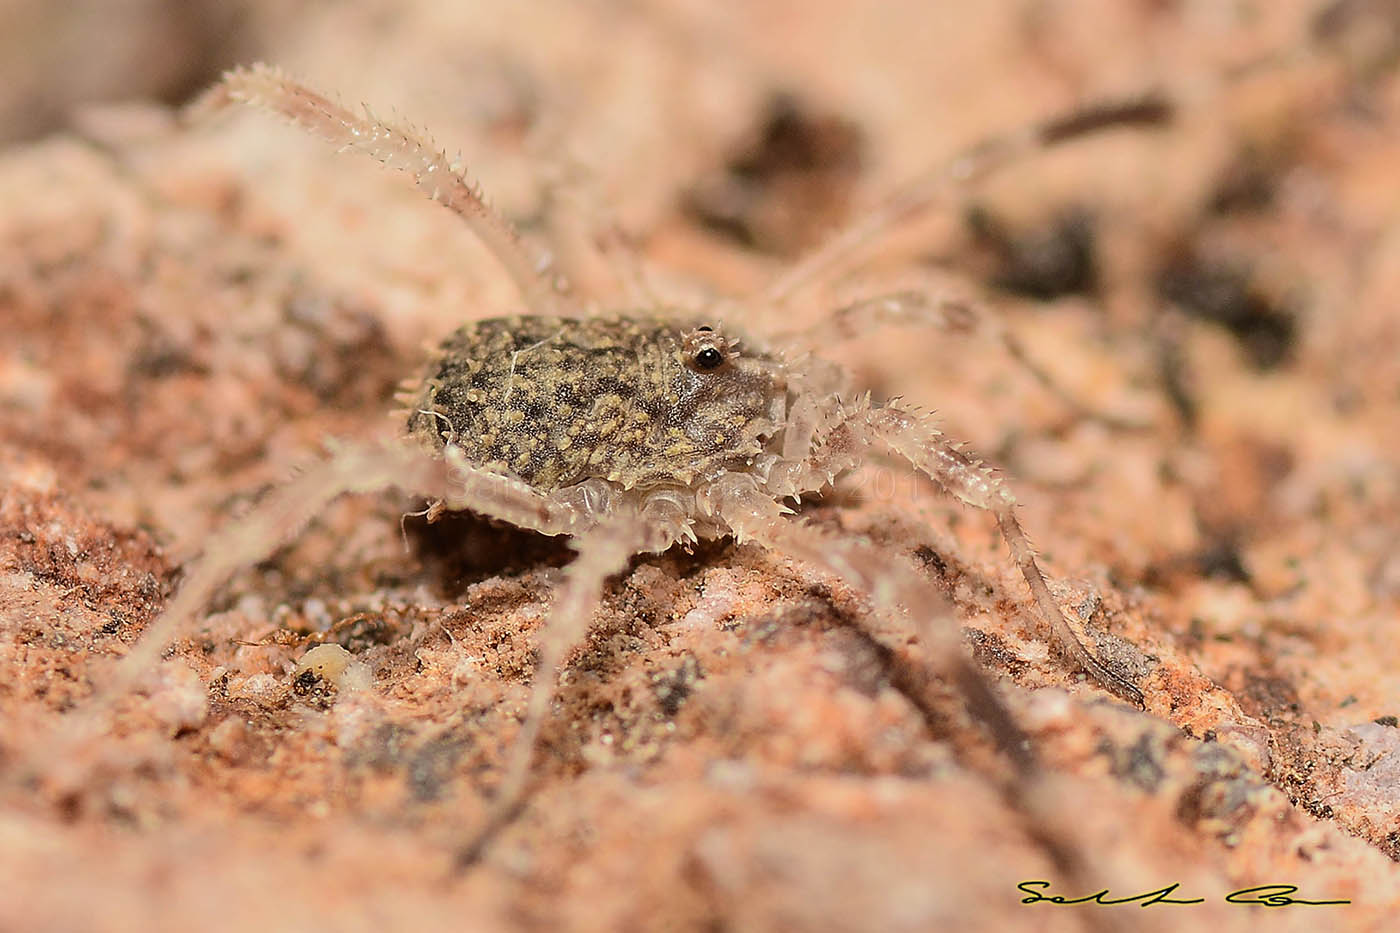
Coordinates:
190	312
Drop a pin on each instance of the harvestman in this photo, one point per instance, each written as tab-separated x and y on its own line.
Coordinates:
634	432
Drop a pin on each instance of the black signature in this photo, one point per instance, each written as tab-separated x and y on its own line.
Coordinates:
1272	895
1159	896
1266	895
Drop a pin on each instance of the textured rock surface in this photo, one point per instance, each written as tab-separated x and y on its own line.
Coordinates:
188	314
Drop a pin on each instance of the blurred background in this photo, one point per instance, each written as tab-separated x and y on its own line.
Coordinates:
196	308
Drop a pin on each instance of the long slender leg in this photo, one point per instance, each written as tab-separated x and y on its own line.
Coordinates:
350	468
948	308
895	587
945	310
912	436
601	553
401	147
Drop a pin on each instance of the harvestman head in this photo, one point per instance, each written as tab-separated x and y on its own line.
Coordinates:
636	431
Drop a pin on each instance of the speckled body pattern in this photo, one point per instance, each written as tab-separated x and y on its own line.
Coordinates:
556	401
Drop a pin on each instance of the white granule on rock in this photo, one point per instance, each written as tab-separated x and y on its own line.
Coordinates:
265	687
179	699
722	595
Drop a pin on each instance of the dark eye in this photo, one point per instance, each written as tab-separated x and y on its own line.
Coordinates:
709	358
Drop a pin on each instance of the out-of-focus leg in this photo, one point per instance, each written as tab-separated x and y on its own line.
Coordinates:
912	435
601	553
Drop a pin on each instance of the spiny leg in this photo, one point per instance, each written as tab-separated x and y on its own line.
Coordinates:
287	509
602	552
949	309
912	435
401	147
945	310
894	587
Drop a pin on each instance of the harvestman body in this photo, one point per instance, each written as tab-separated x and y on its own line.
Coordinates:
631	433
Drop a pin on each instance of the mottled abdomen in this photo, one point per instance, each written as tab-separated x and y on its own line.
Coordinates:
556	401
